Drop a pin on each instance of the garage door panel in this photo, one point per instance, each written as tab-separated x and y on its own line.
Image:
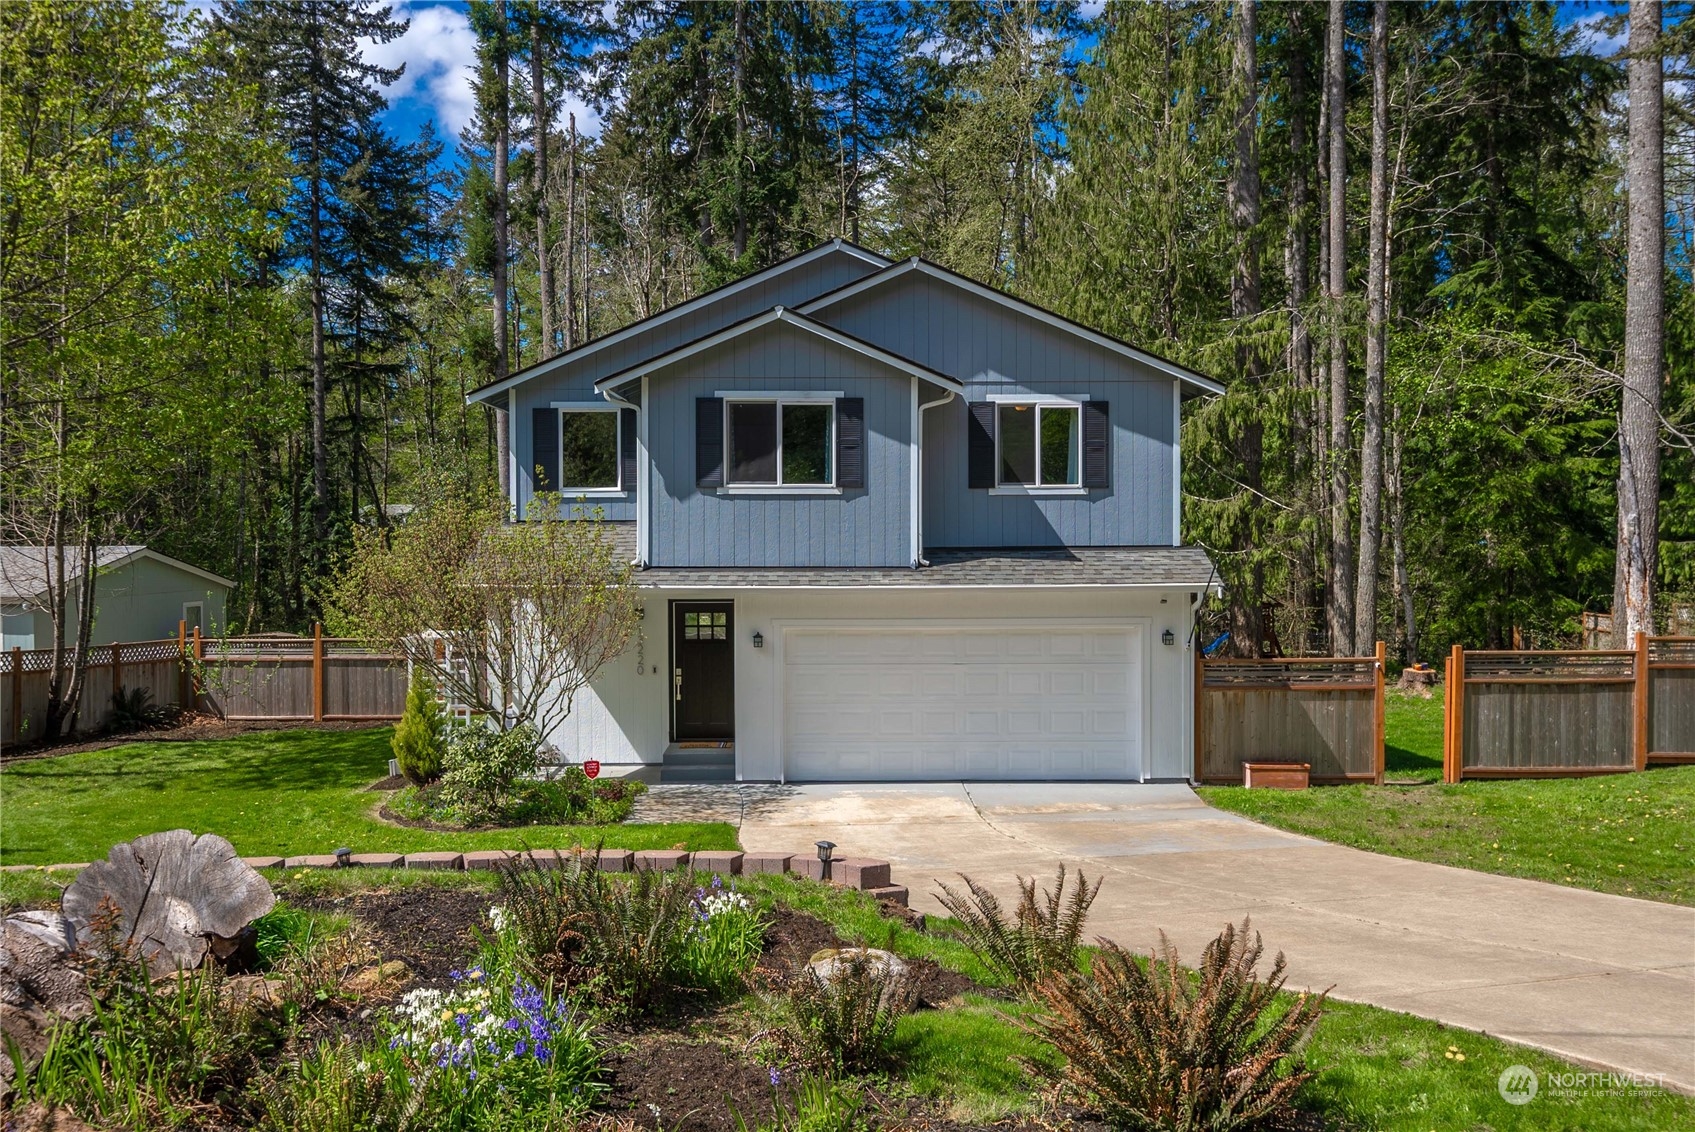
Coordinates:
997	701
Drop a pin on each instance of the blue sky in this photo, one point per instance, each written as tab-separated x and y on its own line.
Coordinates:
439	52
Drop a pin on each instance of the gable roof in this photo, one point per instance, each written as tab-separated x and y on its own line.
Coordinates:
24	569
704	299
786	317
1198	381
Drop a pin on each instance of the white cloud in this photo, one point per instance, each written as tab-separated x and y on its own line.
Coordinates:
440	54
1598	42
439	50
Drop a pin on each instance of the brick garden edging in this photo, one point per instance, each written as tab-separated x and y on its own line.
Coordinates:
863	873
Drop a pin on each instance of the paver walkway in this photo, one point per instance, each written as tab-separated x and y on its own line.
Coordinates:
1605	981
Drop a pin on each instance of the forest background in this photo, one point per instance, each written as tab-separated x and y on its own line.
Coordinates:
1439	252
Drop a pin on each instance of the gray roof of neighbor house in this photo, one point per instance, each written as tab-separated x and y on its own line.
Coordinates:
25	570
1171	567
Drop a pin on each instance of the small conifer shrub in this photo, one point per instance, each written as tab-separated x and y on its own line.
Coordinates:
417	741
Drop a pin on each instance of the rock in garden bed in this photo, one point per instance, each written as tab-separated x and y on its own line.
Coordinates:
795	937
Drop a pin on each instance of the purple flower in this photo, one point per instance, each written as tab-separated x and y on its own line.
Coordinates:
776	1077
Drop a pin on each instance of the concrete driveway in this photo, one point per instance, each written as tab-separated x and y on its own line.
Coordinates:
1602	980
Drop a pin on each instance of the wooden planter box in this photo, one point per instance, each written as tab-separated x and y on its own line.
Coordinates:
1276	776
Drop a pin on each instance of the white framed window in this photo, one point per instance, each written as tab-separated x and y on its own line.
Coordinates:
194	616
1039	446
590	450
780	442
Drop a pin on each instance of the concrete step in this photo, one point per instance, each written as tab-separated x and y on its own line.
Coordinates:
700	756
670	775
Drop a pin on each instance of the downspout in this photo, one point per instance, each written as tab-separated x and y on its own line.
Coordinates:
918	511
641	469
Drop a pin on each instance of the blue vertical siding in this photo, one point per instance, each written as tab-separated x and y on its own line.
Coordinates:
994	350
863	527
575	380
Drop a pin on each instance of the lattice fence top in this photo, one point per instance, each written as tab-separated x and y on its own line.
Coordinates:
140	652
1292	671
1550	665
252	648
1671	650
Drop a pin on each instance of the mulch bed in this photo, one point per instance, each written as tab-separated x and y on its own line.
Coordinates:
427	928
795	937
191	729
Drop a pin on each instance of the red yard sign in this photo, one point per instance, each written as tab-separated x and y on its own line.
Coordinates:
591	767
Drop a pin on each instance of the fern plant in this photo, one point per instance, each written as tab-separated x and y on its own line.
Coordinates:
623	938
846	1021
1158	1048
1041	937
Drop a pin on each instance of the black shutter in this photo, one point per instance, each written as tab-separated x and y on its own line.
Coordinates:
850	442
980	444
627	449
709	441
544	447
1097	445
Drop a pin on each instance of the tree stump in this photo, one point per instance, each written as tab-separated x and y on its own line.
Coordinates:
176	897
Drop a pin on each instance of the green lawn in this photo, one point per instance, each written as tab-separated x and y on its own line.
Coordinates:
1373	1068
1629	834
284	792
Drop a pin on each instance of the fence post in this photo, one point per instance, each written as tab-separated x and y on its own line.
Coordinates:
1457	710
1200	707
117	668
199	658
184	700
1379	709
317	672
1643	684
1448	717
17	691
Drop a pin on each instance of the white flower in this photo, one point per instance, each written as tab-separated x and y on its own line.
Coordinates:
721	902
499	917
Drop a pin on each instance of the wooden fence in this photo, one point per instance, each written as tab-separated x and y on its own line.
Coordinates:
1325	711
247	678
1552	714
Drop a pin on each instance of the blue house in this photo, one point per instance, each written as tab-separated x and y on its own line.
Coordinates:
894	525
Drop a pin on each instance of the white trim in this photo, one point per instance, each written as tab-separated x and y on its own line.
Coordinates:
914	501
560	408
811	396
778	489
792	318
660	319
1039	489
1176	463
756	487
918	477
1038	398
780	628
936	587
200	621
644	484
144	552
895	272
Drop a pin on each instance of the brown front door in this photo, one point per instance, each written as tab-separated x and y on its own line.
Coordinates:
703	670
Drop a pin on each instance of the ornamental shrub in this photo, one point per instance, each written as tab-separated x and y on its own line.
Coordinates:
1157	1048
725	941
417	737
481	767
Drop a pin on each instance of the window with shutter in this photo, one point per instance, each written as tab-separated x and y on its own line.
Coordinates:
850	442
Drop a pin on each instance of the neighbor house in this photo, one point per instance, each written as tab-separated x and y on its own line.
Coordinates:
892	524
139	595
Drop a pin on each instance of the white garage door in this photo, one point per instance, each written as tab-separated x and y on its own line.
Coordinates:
996	701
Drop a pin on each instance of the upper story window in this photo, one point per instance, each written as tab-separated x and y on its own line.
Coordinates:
588	450
1038	444
780	443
